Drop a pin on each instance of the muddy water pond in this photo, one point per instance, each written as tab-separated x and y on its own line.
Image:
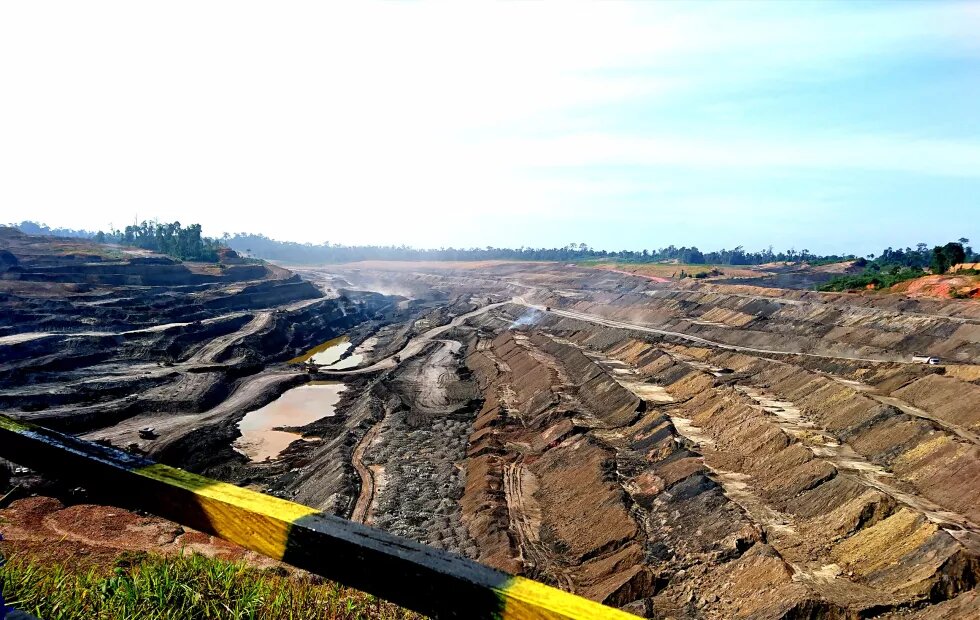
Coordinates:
328	354
296	407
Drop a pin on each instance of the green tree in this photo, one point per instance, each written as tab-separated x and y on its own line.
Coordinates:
938	263
944	257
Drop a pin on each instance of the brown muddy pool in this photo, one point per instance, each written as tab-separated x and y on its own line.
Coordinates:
296	407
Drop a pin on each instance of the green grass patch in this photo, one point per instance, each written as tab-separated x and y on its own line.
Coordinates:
828	261
183	587
877	278
663	270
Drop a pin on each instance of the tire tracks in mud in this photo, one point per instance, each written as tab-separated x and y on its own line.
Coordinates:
525	523
365	499
212	350
429	379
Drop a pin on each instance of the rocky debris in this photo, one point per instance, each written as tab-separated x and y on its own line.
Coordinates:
420	481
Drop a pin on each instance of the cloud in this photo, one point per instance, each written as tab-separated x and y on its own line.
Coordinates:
367	122
870	153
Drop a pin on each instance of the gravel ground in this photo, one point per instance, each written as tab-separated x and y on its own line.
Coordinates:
422	483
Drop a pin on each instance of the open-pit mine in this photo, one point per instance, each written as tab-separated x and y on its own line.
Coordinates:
678	449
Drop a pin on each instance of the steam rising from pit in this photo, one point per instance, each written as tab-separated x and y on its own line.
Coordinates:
531	317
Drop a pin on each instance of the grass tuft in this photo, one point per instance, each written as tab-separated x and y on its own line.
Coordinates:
191	586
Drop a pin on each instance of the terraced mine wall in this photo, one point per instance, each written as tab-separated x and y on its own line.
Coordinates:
817	326
85	353
881	327
554	492
859	506
139	272
686	451
799	468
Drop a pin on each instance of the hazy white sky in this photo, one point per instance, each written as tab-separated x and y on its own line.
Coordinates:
821	125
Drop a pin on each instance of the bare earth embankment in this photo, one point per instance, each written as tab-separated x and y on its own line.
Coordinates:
679	449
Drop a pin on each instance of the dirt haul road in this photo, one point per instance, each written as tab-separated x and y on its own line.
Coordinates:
362	508
171	428
255	390
415	344
419	342
591	318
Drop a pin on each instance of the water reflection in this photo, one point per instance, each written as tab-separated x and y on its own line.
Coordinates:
328	354
325	354
296	407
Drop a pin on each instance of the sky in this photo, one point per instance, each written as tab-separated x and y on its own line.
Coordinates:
832	127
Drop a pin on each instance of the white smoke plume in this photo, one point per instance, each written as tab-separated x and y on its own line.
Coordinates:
531	317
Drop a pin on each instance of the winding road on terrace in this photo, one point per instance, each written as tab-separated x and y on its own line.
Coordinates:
598	320
419	342
172	428
416	344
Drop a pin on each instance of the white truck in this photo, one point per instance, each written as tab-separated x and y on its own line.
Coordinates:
918	358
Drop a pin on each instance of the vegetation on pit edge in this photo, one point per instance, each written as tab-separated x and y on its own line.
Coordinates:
188	244
894	266
172	239
293	252
184	587
666	270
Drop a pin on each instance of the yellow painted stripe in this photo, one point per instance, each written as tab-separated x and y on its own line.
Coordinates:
264	524
12	425
253	520
529	600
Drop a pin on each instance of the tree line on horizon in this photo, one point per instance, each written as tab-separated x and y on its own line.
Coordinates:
294	252
172	239
188	243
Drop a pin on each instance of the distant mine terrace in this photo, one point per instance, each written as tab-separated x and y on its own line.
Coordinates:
687	449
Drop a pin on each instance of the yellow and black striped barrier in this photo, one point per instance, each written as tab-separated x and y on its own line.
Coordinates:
407	573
